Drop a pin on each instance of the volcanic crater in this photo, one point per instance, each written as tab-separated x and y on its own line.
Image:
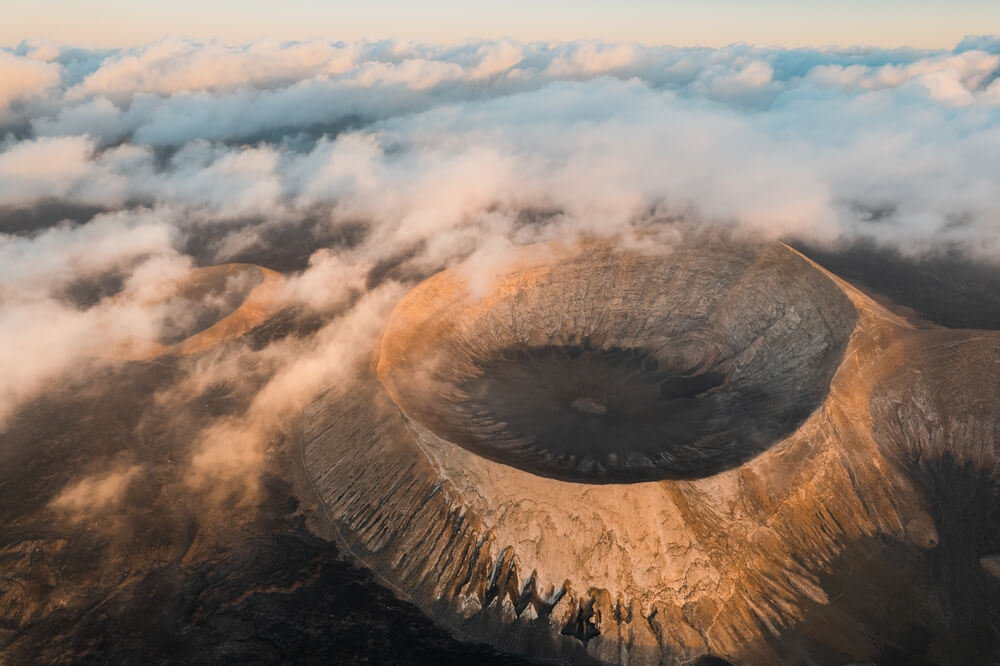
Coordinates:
610	367
662	453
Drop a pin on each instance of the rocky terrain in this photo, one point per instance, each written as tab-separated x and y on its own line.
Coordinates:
818	529
163	575
595	352
857	523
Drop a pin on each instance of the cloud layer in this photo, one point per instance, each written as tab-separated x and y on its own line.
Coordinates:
356	168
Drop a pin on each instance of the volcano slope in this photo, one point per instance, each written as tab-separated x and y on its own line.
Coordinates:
642	455
163	573
207	307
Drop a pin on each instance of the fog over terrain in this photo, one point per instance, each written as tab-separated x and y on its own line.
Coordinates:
356	169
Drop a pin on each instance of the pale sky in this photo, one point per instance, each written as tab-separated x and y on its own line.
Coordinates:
919	23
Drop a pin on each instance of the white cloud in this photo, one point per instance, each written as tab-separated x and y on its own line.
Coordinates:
24	77
94	493
438	153
172	66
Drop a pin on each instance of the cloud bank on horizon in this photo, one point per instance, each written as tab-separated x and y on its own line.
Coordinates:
341	162
793	141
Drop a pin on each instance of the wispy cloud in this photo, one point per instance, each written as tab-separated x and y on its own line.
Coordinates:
367	165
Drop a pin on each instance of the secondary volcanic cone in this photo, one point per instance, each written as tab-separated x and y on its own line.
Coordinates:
636	455
207	307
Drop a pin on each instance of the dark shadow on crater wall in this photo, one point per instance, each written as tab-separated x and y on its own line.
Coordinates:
896	604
